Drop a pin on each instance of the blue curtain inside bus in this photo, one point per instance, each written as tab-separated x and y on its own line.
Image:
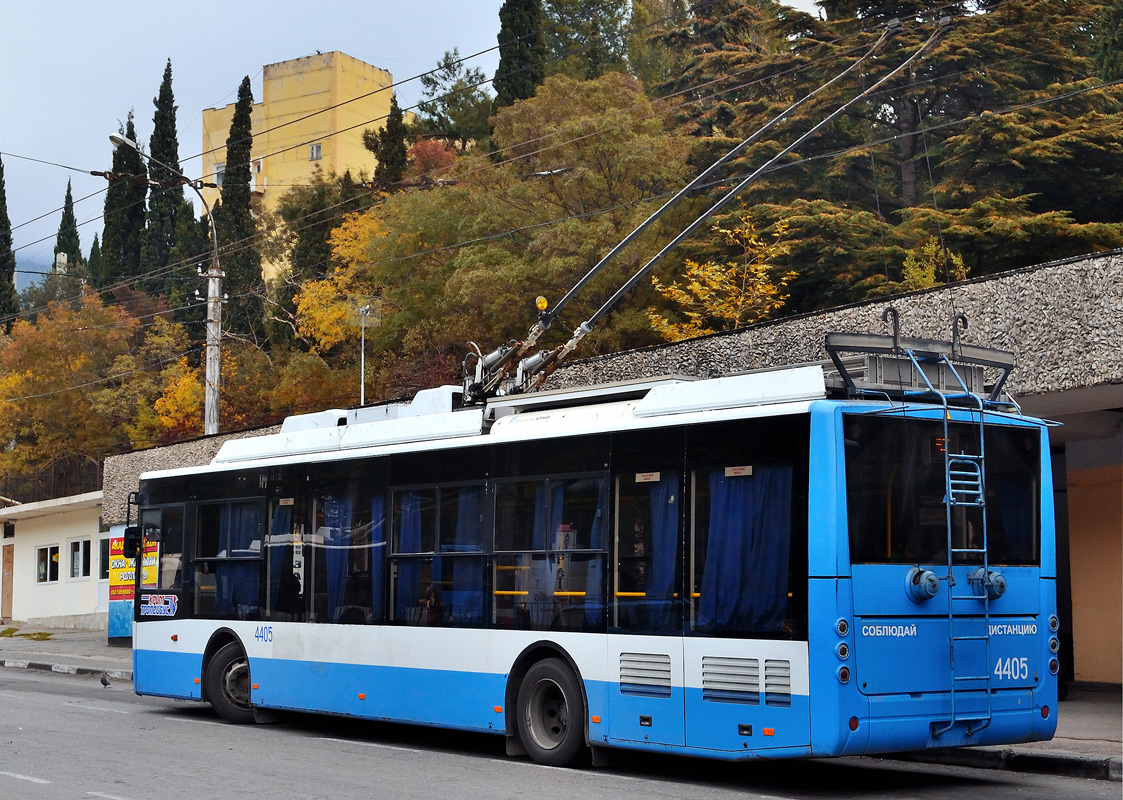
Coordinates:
407	584
237	582
378	554
280	562
664	551
337	549
465	601
745	579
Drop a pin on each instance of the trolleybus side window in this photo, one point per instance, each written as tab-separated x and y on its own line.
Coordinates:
549	562
228	559
163	558
439	567
748	527
647	564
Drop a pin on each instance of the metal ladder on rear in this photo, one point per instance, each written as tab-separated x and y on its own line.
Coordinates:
965	486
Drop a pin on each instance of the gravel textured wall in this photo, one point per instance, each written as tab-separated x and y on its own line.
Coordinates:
122	473
1063	321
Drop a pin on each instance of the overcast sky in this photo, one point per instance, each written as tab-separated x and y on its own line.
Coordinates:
70	72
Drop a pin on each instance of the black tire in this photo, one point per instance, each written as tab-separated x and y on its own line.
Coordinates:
551	714
227	682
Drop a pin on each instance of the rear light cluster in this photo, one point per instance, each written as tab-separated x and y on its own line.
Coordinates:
842	650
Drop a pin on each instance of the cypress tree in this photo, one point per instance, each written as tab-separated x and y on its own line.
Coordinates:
67	241
9	301
522	52
124	214
166	203
391	151
237	230
93	264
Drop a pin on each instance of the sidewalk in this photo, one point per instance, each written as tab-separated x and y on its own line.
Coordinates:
1088	744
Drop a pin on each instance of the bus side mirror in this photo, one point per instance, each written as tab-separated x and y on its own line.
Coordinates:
132	542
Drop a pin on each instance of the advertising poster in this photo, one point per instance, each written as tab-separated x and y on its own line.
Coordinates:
121	584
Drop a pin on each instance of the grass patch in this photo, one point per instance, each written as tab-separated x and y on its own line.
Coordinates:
11	633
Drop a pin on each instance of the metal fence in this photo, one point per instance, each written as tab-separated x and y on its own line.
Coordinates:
63	477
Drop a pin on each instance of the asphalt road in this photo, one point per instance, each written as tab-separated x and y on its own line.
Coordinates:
70	737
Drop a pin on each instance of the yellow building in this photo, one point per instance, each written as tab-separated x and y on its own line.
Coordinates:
313	112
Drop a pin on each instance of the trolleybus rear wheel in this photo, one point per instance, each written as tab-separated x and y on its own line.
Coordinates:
228	684
551	714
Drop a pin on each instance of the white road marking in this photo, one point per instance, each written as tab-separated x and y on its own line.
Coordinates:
17	776
371	744
107	796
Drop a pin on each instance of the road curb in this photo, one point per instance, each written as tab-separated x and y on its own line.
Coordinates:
1068	765
67	669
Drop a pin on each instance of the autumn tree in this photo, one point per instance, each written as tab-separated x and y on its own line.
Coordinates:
582	162
124	213
234	220
429	159
305	216
522	52
454	106
9	301
54	373
715	297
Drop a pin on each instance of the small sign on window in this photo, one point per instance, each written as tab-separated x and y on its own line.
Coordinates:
738	472
647	477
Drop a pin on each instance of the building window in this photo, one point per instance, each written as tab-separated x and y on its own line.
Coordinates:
80	558
315	152
219	172
9	530
103	560
46	564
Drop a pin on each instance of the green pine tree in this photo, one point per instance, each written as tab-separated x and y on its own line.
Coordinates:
585	38
454	107
166	203
67	241
1006	190
389	147
9	300
124	214
1109	41
237	229
522	52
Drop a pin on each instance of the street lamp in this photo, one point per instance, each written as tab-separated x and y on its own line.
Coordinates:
364	312
214	295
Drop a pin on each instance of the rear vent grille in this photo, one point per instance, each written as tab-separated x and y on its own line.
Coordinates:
777	682
731	680
647	674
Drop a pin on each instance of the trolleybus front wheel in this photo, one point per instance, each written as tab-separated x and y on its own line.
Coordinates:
551	714
228	684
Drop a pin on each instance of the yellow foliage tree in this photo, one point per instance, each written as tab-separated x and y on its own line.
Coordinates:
924	264
721	297
179	409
